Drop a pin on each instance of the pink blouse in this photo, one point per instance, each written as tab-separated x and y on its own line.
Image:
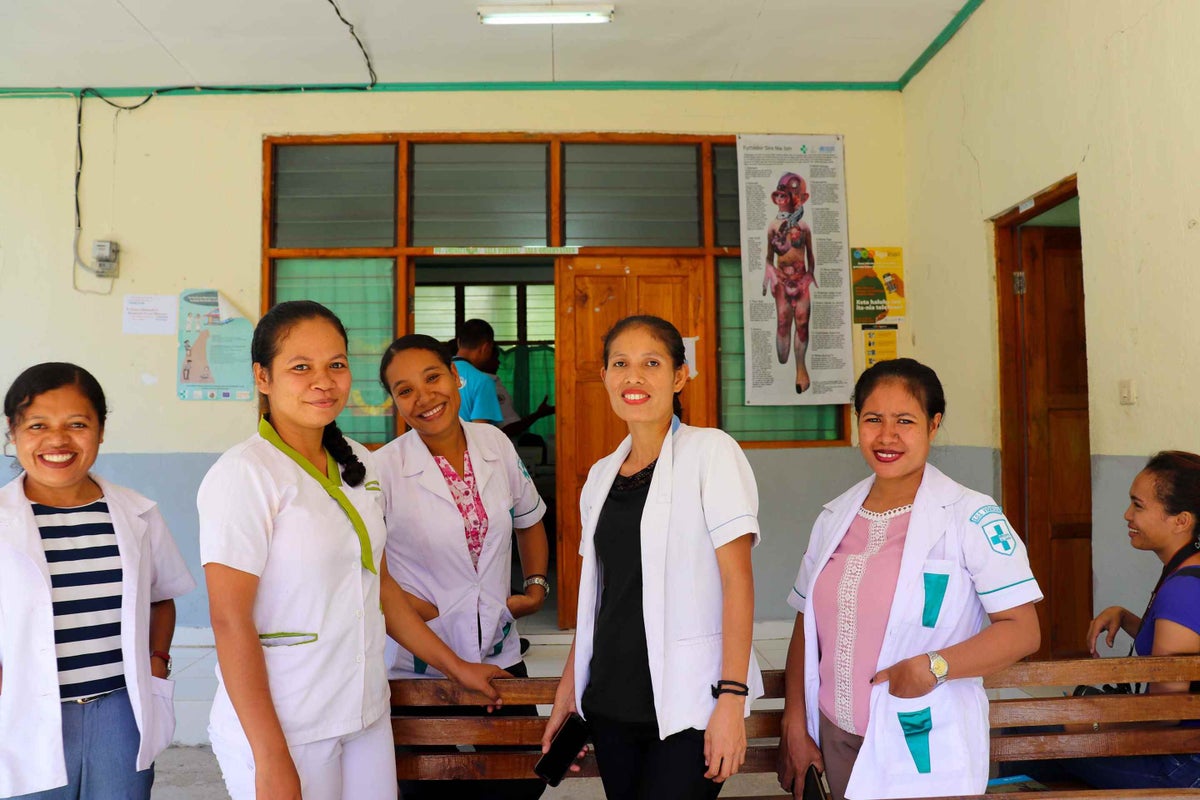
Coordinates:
470	504
852	599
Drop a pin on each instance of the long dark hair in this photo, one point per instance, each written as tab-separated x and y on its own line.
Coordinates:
666	333
413	341
920	381
1177	483
268	333
46	377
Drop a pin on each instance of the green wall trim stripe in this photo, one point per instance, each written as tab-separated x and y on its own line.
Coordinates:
479	86
937	44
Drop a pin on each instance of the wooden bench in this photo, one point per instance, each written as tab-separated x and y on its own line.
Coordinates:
1008	716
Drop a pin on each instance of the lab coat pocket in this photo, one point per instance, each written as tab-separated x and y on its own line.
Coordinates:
936	583
504	627
922	734
159	718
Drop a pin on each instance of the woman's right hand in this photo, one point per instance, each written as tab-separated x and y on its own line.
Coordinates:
1107	622
275	778
558	715
797	751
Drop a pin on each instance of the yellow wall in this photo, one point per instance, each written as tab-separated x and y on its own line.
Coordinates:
1027	93
179	185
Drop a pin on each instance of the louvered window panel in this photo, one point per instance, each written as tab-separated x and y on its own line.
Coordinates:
727	220
491	195
340	195
632	195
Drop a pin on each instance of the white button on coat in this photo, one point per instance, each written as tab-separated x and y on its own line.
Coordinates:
961	562
31	747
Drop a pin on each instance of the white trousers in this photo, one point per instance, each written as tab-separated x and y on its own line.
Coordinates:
357	766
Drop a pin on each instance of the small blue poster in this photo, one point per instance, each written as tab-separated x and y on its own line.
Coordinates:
214	348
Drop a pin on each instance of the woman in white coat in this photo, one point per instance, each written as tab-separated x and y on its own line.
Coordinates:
292	540
454	492
661	666
902	571
88	571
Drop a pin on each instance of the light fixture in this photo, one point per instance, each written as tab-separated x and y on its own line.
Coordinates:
545	14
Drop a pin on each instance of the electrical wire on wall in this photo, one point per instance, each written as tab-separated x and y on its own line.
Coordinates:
80	263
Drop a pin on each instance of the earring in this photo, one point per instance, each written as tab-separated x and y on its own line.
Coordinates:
1196	543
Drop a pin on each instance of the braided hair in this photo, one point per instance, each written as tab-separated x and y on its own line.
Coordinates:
270	331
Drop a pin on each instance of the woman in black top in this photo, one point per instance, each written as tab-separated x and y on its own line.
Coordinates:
662	667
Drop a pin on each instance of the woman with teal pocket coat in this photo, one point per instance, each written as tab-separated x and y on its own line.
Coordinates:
884	685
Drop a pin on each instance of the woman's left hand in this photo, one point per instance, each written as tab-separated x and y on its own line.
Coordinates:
908	678
725	738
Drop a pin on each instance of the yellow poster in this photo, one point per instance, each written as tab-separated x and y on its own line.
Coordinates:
879	343
877	276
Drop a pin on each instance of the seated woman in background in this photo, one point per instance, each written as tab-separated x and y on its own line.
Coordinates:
1164	505
88	573
454	492
901	573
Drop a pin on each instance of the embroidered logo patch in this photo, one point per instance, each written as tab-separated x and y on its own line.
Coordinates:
995	527
525	472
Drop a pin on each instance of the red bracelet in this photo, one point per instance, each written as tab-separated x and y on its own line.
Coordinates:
166	657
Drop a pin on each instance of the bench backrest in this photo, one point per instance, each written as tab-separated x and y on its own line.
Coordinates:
1045	680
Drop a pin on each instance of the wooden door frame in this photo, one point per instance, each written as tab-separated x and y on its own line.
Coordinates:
1012	399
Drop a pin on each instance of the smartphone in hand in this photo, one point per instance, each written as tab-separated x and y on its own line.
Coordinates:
816	787
567	743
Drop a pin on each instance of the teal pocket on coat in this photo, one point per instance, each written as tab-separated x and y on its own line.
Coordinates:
503	635
419	666
935	593
916	726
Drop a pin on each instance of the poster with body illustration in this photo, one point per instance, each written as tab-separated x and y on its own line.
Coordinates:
795	270
213	359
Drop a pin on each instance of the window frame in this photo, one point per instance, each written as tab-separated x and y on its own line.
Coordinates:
404	254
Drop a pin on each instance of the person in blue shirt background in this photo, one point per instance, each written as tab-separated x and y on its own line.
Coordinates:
476	343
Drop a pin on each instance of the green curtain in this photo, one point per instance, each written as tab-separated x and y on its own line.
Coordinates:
528	372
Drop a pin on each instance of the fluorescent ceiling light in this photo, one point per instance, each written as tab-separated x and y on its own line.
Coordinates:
545	14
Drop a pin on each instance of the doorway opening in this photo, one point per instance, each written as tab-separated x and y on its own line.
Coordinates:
515	296
1045	447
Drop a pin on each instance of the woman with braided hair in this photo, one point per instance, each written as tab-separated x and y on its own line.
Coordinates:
292	541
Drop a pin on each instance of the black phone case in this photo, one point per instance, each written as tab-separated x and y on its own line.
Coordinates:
815	785
567	743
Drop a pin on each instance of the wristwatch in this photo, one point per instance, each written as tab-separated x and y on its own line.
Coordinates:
938	666
537	580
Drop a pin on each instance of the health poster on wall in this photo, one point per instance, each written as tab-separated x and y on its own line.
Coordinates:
879	343
213	362
795	270
877	275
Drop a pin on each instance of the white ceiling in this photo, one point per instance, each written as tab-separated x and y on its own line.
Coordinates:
142	43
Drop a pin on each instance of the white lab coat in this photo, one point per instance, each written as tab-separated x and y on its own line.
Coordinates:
702	496
956	532
427	549
31	747
317	609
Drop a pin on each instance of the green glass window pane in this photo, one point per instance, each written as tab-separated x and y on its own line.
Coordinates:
758	423
433	312
539	313
361	292
334	195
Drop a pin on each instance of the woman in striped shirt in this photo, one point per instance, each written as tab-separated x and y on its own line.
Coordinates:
88	573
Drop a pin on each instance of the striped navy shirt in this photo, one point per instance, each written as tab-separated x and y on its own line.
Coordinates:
85	580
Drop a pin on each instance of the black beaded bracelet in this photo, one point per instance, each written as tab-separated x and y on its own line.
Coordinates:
730	687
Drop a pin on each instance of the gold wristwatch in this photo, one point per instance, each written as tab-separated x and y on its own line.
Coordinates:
938	666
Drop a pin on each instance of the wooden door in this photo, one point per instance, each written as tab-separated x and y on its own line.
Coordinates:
1058	478
592	293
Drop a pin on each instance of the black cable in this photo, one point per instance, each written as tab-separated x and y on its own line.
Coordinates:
366	57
